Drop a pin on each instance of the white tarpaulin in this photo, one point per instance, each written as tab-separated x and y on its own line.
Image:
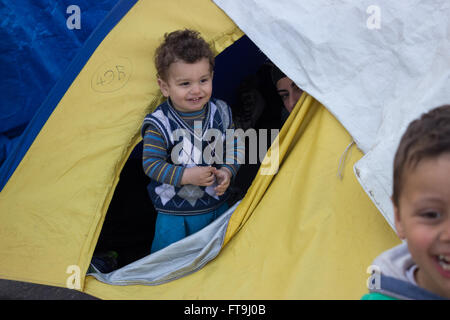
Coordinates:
375	65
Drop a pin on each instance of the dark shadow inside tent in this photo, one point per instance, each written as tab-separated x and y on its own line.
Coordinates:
242	79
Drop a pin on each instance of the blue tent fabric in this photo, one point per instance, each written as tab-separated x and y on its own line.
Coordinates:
36	47
24	121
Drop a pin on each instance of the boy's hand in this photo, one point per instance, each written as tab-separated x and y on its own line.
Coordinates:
223	176
199	176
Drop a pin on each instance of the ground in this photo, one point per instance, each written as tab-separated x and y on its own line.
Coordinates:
16	290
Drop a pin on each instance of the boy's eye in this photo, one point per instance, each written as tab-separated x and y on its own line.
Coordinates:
430	215
184	83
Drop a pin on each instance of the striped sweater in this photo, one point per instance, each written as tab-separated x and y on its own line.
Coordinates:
158	146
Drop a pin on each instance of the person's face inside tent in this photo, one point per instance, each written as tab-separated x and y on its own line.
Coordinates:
289	92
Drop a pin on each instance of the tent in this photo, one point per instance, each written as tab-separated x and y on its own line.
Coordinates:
37	46
290	236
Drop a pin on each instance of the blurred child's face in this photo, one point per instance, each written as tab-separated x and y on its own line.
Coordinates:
423	219
189	85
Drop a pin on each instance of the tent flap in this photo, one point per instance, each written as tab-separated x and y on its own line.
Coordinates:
374	66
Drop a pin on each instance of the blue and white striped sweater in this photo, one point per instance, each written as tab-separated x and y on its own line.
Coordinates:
165	189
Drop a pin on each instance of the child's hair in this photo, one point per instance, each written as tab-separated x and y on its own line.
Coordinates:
185	45
426	137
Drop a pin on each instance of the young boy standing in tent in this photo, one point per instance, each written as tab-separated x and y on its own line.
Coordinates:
420	267
187	190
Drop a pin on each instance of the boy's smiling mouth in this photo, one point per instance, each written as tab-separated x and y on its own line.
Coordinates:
444	261
195	99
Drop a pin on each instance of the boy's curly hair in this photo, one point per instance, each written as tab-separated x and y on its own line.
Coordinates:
426	137
185	45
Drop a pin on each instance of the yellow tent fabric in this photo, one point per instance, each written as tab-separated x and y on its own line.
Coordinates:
303	233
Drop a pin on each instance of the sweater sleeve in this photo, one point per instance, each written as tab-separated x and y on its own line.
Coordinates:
235	155
154	160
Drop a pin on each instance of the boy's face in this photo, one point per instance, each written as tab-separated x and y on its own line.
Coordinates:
423	219
189	85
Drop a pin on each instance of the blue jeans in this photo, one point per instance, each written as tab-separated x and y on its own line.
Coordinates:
171	228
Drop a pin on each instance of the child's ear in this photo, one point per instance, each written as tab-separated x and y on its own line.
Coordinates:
164	87
398	222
